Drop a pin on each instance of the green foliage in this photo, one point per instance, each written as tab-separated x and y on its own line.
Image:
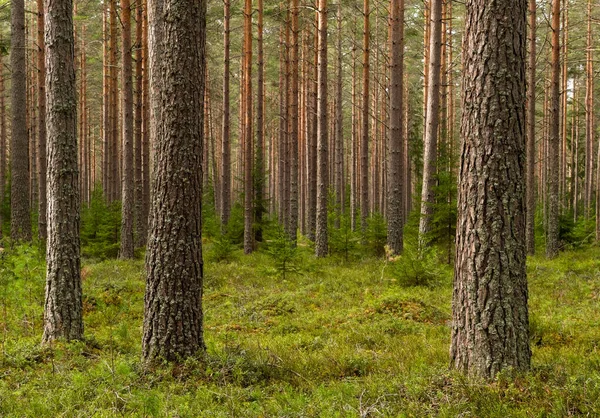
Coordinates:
100	228
221	249
343	240
418	269
284	253
576	234
375	236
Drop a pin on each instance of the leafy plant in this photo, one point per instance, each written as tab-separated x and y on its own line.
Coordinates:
414	268
284	254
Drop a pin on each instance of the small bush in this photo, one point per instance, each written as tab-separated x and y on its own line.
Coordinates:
285	254
417	269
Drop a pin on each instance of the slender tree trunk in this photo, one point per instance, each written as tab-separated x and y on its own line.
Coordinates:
145	125
530	191
312	139
293	138
552	234
106	105
395	209
226	157
354	186
259	171
589	116
63	306
140	221
564	103
432	125
248	148
575	154
364	147
490	329
41	68
172	318
20	216
340	184
321	241
114	109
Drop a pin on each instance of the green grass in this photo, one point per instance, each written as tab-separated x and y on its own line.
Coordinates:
336	340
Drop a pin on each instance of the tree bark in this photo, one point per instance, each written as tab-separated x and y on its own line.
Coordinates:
127	179
589	116
140	221
259	170
226	156
173	302
553	228
364	145
63	304
293	138
490	330
530	191
432	124
20	216
248	143
395	204
41	64
321	241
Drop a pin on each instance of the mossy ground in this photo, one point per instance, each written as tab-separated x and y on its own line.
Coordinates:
337	339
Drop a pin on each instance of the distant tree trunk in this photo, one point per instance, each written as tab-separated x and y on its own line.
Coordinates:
114	109
339	182
312	139
145	125
172	318
106	105
490	330
259	170
563	109
20	216
127	179
364	146
293	138
395	217
321	241
63	306
589	116
354	182
248	148
575	152
432	124
41	68
140	221
226	157
530	223
552	235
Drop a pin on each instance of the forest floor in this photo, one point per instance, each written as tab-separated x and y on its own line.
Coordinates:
335	339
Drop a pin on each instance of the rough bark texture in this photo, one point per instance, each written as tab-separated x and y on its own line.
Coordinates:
42	202
247	129
127	178
20	216
395	203
339	181
226	144
589	116
173	301
259	168
553	228
490	329
530	224
321	241
140	221
146	124
63	305
294	123
432	117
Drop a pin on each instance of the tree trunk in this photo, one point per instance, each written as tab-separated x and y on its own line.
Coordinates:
248	189
339	182
41	64
63	306
432	124
395	209
226	157
127	179
589	116
530	191
293	138
364	146
140	221
321	241
172	317
20	216
490	330
146	124
259	170
553	229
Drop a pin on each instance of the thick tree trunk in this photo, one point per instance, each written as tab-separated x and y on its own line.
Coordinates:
395	209
127	179
530	191
41	64
20	216
432	124
490	330
321	241
63	305
553	229
173	317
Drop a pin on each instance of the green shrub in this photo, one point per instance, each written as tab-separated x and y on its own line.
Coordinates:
417	269
284	253
100	228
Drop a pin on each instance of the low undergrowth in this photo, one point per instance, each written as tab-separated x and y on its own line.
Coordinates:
334	338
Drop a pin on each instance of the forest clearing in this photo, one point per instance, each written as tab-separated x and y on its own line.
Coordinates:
335	338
